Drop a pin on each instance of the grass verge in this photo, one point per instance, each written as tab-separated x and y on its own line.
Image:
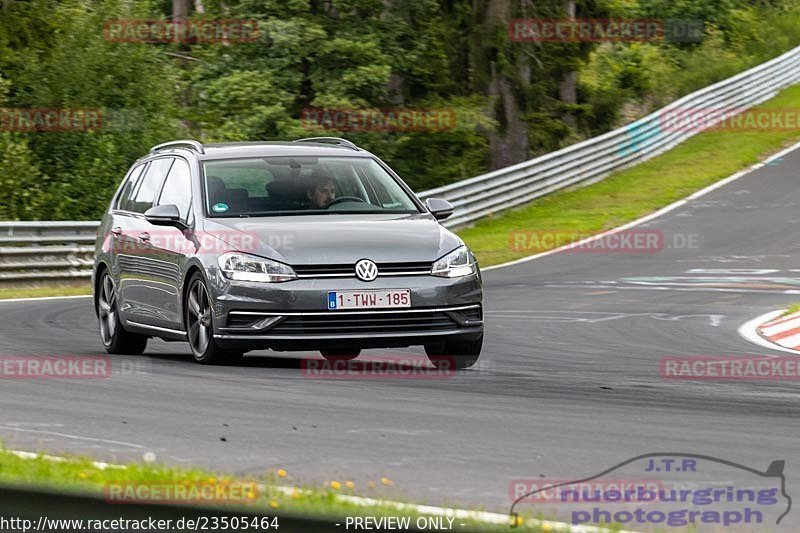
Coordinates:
41	292
794	308
272	492
632	193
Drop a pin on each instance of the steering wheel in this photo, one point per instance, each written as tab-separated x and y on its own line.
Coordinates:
340	199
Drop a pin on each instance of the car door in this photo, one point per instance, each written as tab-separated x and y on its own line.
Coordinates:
139	271
170	247
117	237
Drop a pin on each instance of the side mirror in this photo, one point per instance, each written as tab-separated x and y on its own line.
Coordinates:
164	215
441	209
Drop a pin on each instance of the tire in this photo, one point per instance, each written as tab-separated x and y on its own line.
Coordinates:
198	317
456	355
116	340
340	355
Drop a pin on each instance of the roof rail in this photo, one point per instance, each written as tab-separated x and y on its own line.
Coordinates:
194	145
330	140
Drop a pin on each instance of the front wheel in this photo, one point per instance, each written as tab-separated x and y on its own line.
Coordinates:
200	326
116	340
455	354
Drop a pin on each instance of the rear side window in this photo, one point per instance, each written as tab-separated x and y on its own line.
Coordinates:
177	189
130	183
148	186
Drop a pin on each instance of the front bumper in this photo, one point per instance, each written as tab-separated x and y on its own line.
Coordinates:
294	316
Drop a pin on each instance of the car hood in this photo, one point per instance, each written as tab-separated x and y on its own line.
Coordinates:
337	239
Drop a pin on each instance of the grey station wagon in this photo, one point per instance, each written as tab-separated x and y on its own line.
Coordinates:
313	244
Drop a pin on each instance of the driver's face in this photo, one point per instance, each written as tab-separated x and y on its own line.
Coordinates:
322	194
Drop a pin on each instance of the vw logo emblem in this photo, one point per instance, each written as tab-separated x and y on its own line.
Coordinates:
366	270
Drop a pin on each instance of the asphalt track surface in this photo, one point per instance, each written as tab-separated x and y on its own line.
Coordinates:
568	384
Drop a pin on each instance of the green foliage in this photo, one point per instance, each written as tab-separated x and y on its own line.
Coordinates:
340	54
631	193
19	179
72	175
623	82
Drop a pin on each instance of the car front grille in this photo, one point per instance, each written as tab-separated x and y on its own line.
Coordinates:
384	323
358	322
236	320
349	270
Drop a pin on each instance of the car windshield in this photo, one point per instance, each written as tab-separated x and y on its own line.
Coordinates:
286	185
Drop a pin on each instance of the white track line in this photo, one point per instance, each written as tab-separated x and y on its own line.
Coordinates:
651	216
43	298
55	458
481	516
70	436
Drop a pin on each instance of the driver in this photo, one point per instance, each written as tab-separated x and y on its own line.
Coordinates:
321	191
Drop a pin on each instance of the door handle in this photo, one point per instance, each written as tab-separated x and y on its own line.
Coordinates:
117	231
144	236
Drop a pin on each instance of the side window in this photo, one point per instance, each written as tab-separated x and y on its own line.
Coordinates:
130	183
178	188
148	186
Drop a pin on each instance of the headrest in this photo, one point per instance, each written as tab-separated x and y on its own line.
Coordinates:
215	185
285	189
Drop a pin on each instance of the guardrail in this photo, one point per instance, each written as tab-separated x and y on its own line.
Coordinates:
42	251
596	158
37	251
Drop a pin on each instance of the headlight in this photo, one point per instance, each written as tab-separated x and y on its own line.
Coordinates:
245	267
456	264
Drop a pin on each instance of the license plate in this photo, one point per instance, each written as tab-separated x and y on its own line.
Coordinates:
371	299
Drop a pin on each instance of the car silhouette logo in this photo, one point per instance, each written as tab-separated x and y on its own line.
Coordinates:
366	270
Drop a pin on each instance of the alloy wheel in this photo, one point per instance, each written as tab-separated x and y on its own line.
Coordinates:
199	317
106	310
